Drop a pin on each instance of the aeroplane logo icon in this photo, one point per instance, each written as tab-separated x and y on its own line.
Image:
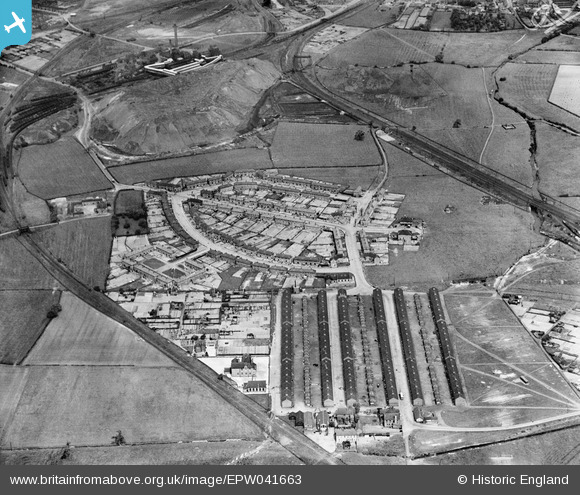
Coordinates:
17	23
15	14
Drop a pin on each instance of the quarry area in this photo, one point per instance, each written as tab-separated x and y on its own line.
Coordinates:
291	232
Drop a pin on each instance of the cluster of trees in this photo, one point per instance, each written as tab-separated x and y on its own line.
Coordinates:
476	21
53	312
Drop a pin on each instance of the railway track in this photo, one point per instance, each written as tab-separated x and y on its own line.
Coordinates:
430	152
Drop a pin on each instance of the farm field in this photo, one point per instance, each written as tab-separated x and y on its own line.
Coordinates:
88	405
493	351
20	270
550	57
441	21
371	17
474	240
59	169
508	153
187	166
322	145
245	452
83	245
198	108
23	317
528	87
563	43
80	335
557	164
430	97
551	448
564	92
388	47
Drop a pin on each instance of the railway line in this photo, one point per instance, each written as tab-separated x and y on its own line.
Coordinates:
434	154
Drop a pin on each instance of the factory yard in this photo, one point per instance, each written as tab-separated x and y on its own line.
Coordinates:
502	365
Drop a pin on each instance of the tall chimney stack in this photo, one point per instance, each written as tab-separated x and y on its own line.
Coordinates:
175	35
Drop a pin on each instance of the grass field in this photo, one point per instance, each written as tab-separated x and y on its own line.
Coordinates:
59	169
550	57
209	163
508	153
474	240
528	87
493	351
322	145
23	317
244	452
19	270
388	47
84	246
80	335
557	163
552	448
88	405
432	97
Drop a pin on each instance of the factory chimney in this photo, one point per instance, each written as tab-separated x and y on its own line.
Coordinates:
175	35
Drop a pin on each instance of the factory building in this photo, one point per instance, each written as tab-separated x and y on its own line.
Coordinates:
447	352
324	349
287	354
408	349
346	349
389	383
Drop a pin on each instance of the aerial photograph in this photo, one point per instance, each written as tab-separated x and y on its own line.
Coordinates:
290	232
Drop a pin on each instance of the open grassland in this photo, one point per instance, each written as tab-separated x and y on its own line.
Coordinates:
84	246
59	169
241	452
430	97
474	240
562	43
80	335
551	448
507	152
528	87
186	166
12	382
86	51
322	145
20	270
23	319
557	159
388	47
550	57
87	405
